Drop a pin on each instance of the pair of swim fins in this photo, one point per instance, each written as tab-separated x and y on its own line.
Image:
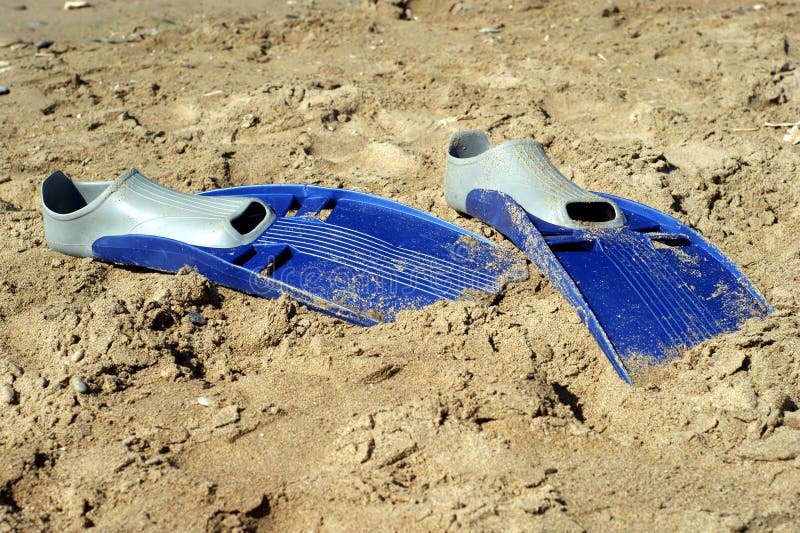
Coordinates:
645	284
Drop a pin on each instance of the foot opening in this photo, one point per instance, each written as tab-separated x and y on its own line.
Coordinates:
591	211
469	144
249	219
60	195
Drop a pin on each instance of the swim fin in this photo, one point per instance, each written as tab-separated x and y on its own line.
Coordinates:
645	284
348	254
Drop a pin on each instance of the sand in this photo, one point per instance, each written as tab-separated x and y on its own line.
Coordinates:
491	415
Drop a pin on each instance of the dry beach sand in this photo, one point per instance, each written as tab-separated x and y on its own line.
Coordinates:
501	414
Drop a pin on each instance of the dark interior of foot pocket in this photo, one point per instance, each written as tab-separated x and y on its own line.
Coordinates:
249	219
470	144
591	211
60	195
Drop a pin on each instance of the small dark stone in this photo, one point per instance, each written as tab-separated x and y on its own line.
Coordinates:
40	45
4	90
196	318
607	12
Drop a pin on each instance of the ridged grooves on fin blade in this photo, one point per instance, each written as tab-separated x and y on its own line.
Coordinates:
675	307
367	253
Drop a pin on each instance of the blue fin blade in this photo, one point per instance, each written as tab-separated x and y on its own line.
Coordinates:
369	259
644	293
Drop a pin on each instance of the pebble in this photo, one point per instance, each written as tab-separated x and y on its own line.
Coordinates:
153	461
461	6
489	29
76	4
4	90
40	45
792	135
249	121
227	415
8	396
78	355
80	386
205	401
196	318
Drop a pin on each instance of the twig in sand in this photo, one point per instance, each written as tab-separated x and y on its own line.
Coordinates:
780	124
754	128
